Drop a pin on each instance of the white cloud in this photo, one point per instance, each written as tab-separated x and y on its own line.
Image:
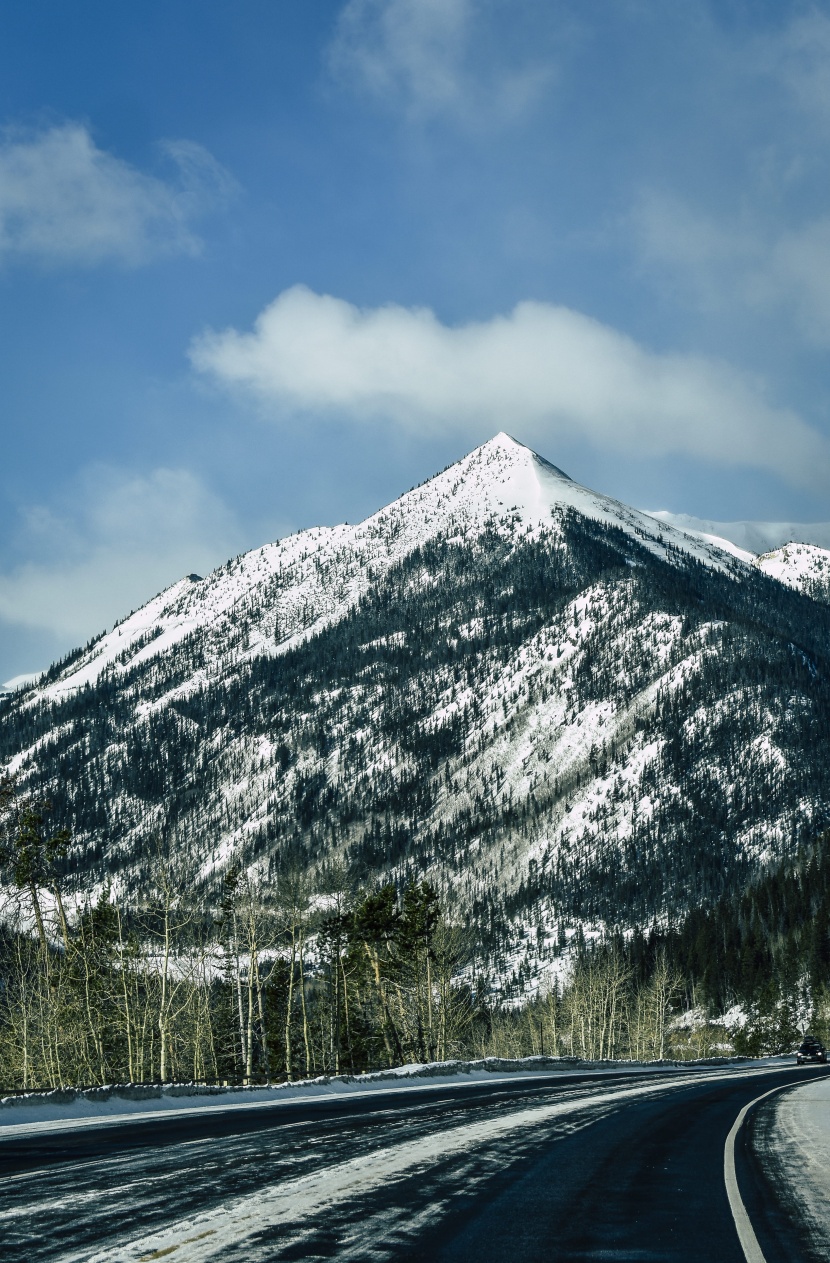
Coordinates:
64	200
420	56
541	371
121	540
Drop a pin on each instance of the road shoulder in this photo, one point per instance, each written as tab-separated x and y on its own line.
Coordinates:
790	1141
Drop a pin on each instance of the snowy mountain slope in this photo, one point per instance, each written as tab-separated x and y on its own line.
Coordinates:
802	566
721	542
301	583
559	709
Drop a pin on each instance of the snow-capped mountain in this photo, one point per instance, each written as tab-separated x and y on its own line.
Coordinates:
288	590
560	708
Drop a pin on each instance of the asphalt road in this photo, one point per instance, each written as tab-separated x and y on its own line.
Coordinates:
627	1167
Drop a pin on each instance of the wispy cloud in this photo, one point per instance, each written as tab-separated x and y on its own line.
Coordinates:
65	201
758	245
541	371
423	58
116	542
798	57
744	261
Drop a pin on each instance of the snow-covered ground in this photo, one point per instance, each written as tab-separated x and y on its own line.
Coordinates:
797	558
799	565
802	1143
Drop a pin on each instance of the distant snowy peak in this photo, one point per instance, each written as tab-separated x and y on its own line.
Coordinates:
797	554
753	538
19	682
802	566
266	600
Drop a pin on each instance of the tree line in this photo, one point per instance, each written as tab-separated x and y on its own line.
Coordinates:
279	977
272	979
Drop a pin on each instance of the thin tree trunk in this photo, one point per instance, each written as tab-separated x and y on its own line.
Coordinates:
336	1022
163	1005
242	1040
41	932
289	1007
249	1051
127	1014
56	891
346	1016
262	1026
429	1007
375	961
302	1006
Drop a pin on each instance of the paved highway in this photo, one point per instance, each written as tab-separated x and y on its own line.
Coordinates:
546	1167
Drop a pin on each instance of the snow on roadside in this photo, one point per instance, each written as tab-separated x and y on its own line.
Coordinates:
802	1152
68	1108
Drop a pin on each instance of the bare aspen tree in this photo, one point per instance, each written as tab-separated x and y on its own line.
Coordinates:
125	995
338	889
259	935
453	1002
293	901
595	999
664	987
168	917
230	921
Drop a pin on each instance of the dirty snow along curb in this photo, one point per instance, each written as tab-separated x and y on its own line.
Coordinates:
70	1107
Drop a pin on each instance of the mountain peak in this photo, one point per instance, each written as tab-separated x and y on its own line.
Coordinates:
505	444
494	682
285	591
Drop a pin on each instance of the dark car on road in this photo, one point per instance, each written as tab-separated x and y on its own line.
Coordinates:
811	1050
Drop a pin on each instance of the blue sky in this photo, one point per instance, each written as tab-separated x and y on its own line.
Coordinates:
268	263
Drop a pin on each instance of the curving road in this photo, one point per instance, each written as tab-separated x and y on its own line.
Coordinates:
627	1166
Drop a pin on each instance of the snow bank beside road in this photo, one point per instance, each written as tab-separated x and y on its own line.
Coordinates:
69	1108
802	1141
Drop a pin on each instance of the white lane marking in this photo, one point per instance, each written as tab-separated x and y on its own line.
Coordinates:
746	1233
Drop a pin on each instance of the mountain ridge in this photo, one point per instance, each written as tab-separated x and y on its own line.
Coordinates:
754	537
174	607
